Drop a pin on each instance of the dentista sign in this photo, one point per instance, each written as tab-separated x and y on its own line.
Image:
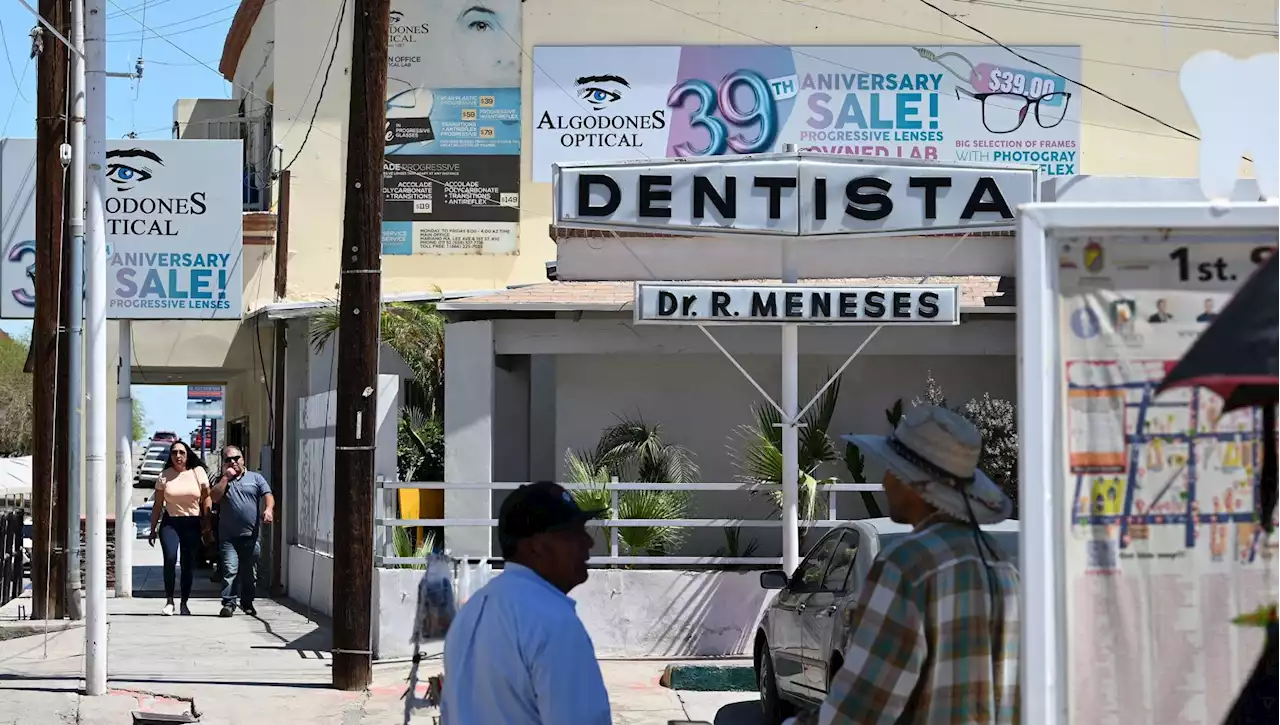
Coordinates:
783	304
793	194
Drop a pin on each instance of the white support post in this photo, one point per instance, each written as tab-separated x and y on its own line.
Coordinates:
613	513
790	431
124	464
95	44
75	386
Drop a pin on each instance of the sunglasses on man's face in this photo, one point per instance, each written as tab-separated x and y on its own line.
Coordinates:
233	459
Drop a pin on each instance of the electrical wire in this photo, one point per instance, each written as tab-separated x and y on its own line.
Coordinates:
797	51
336	34
1135	21
17	85
1038	64
143	12
118	13
1150	14
968	40
9	116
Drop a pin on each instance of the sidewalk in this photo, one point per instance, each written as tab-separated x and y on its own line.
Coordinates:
266	669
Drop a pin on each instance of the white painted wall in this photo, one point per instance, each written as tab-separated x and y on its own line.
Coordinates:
700	400
631	614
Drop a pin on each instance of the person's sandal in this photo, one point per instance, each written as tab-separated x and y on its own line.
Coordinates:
168	610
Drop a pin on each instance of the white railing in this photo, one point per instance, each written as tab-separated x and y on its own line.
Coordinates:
384	524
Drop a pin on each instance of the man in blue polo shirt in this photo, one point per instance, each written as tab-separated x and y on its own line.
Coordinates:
517	654
240	495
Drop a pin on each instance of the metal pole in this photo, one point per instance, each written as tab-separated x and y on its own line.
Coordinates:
75	384
125	533
96	339
790	433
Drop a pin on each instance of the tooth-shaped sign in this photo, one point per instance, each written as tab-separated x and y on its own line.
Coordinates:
1235	104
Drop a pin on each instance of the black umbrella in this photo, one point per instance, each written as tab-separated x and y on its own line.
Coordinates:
1236	358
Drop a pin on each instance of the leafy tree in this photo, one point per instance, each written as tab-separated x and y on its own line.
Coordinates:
415	330
997	421
140	422
15	398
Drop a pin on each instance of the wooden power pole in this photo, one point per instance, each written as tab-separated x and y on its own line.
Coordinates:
47	567
359	309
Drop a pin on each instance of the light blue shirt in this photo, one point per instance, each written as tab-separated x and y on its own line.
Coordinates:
517	654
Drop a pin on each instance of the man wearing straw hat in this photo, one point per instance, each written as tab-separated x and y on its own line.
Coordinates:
936	628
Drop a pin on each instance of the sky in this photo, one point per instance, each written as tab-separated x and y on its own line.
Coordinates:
144	108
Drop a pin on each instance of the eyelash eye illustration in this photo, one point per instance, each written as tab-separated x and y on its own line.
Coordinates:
480	25
599	97
123	174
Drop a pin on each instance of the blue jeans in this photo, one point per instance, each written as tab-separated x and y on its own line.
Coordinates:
239	562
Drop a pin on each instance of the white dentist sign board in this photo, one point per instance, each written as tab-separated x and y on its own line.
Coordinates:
174	229
781	304
791	195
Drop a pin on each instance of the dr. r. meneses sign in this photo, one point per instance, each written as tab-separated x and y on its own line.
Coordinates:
780	304
793	195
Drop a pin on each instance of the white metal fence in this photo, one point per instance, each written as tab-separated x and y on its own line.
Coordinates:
387	521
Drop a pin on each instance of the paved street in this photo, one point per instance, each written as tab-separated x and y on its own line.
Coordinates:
268	669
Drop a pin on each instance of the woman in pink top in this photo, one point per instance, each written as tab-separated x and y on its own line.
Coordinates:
181	510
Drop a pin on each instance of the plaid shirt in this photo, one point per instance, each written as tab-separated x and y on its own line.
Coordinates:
927	646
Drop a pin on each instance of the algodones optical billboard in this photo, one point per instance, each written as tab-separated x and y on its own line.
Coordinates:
174	229
969	103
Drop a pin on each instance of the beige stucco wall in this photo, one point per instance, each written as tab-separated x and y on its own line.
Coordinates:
1134	62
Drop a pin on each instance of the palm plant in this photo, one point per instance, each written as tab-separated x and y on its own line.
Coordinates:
404	546
759	453
633	450
415	330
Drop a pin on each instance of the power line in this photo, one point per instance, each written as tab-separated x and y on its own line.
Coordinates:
1149	22
8	116
914	29
1037	63
798	51
1073	6
17	86
133	34
335	35
249	92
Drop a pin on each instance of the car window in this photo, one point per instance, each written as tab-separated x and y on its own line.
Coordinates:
809	574
841	563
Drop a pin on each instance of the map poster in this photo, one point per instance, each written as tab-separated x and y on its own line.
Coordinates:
1163	547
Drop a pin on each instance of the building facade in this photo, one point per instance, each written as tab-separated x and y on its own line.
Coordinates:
506	88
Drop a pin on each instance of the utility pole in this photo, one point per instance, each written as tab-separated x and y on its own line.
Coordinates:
95	250
51	92
359	309
75	351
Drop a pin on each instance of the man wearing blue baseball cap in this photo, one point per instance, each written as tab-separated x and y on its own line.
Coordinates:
517	653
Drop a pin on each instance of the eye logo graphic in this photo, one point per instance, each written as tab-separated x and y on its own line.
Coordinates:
601	91
127	168
396	17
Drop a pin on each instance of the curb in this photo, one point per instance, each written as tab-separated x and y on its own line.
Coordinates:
709	678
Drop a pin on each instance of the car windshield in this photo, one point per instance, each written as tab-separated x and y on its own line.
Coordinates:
1005	541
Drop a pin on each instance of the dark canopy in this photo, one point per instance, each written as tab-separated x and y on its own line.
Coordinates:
1235	357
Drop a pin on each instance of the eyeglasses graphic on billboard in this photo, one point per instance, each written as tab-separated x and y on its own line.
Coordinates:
1005	112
